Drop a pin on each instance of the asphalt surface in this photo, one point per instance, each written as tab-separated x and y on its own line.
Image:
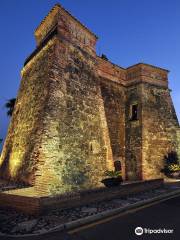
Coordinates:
162	215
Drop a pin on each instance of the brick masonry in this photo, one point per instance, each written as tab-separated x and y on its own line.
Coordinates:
22	201
72	117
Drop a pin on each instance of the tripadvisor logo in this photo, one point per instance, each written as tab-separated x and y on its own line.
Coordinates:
139	231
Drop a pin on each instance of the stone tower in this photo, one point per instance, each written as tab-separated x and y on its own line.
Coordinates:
77	113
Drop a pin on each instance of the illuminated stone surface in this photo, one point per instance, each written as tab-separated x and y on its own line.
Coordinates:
28	192
72	117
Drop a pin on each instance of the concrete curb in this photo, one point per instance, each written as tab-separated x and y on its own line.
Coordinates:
99	216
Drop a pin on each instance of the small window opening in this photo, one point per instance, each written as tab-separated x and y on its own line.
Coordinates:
91	147
134	112
117	165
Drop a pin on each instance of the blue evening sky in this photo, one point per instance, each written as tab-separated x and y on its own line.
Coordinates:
129	32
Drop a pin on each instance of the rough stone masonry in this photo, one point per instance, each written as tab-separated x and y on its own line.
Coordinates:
77	113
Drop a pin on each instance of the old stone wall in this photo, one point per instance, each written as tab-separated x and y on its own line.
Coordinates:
160	126
154	135
178	143
111	72
75	146
133	134
22	146
114	104
148	74
46	26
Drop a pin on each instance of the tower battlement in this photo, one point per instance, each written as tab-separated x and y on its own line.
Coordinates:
68	27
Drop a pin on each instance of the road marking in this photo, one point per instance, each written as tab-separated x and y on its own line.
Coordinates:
107	219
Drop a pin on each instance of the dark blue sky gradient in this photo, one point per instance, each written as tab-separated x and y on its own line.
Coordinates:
129	32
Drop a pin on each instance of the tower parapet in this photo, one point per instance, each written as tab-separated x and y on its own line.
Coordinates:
68	28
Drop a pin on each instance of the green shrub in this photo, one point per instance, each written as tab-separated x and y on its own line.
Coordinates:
174	167
113	174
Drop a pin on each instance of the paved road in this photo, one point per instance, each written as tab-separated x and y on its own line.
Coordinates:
163	215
